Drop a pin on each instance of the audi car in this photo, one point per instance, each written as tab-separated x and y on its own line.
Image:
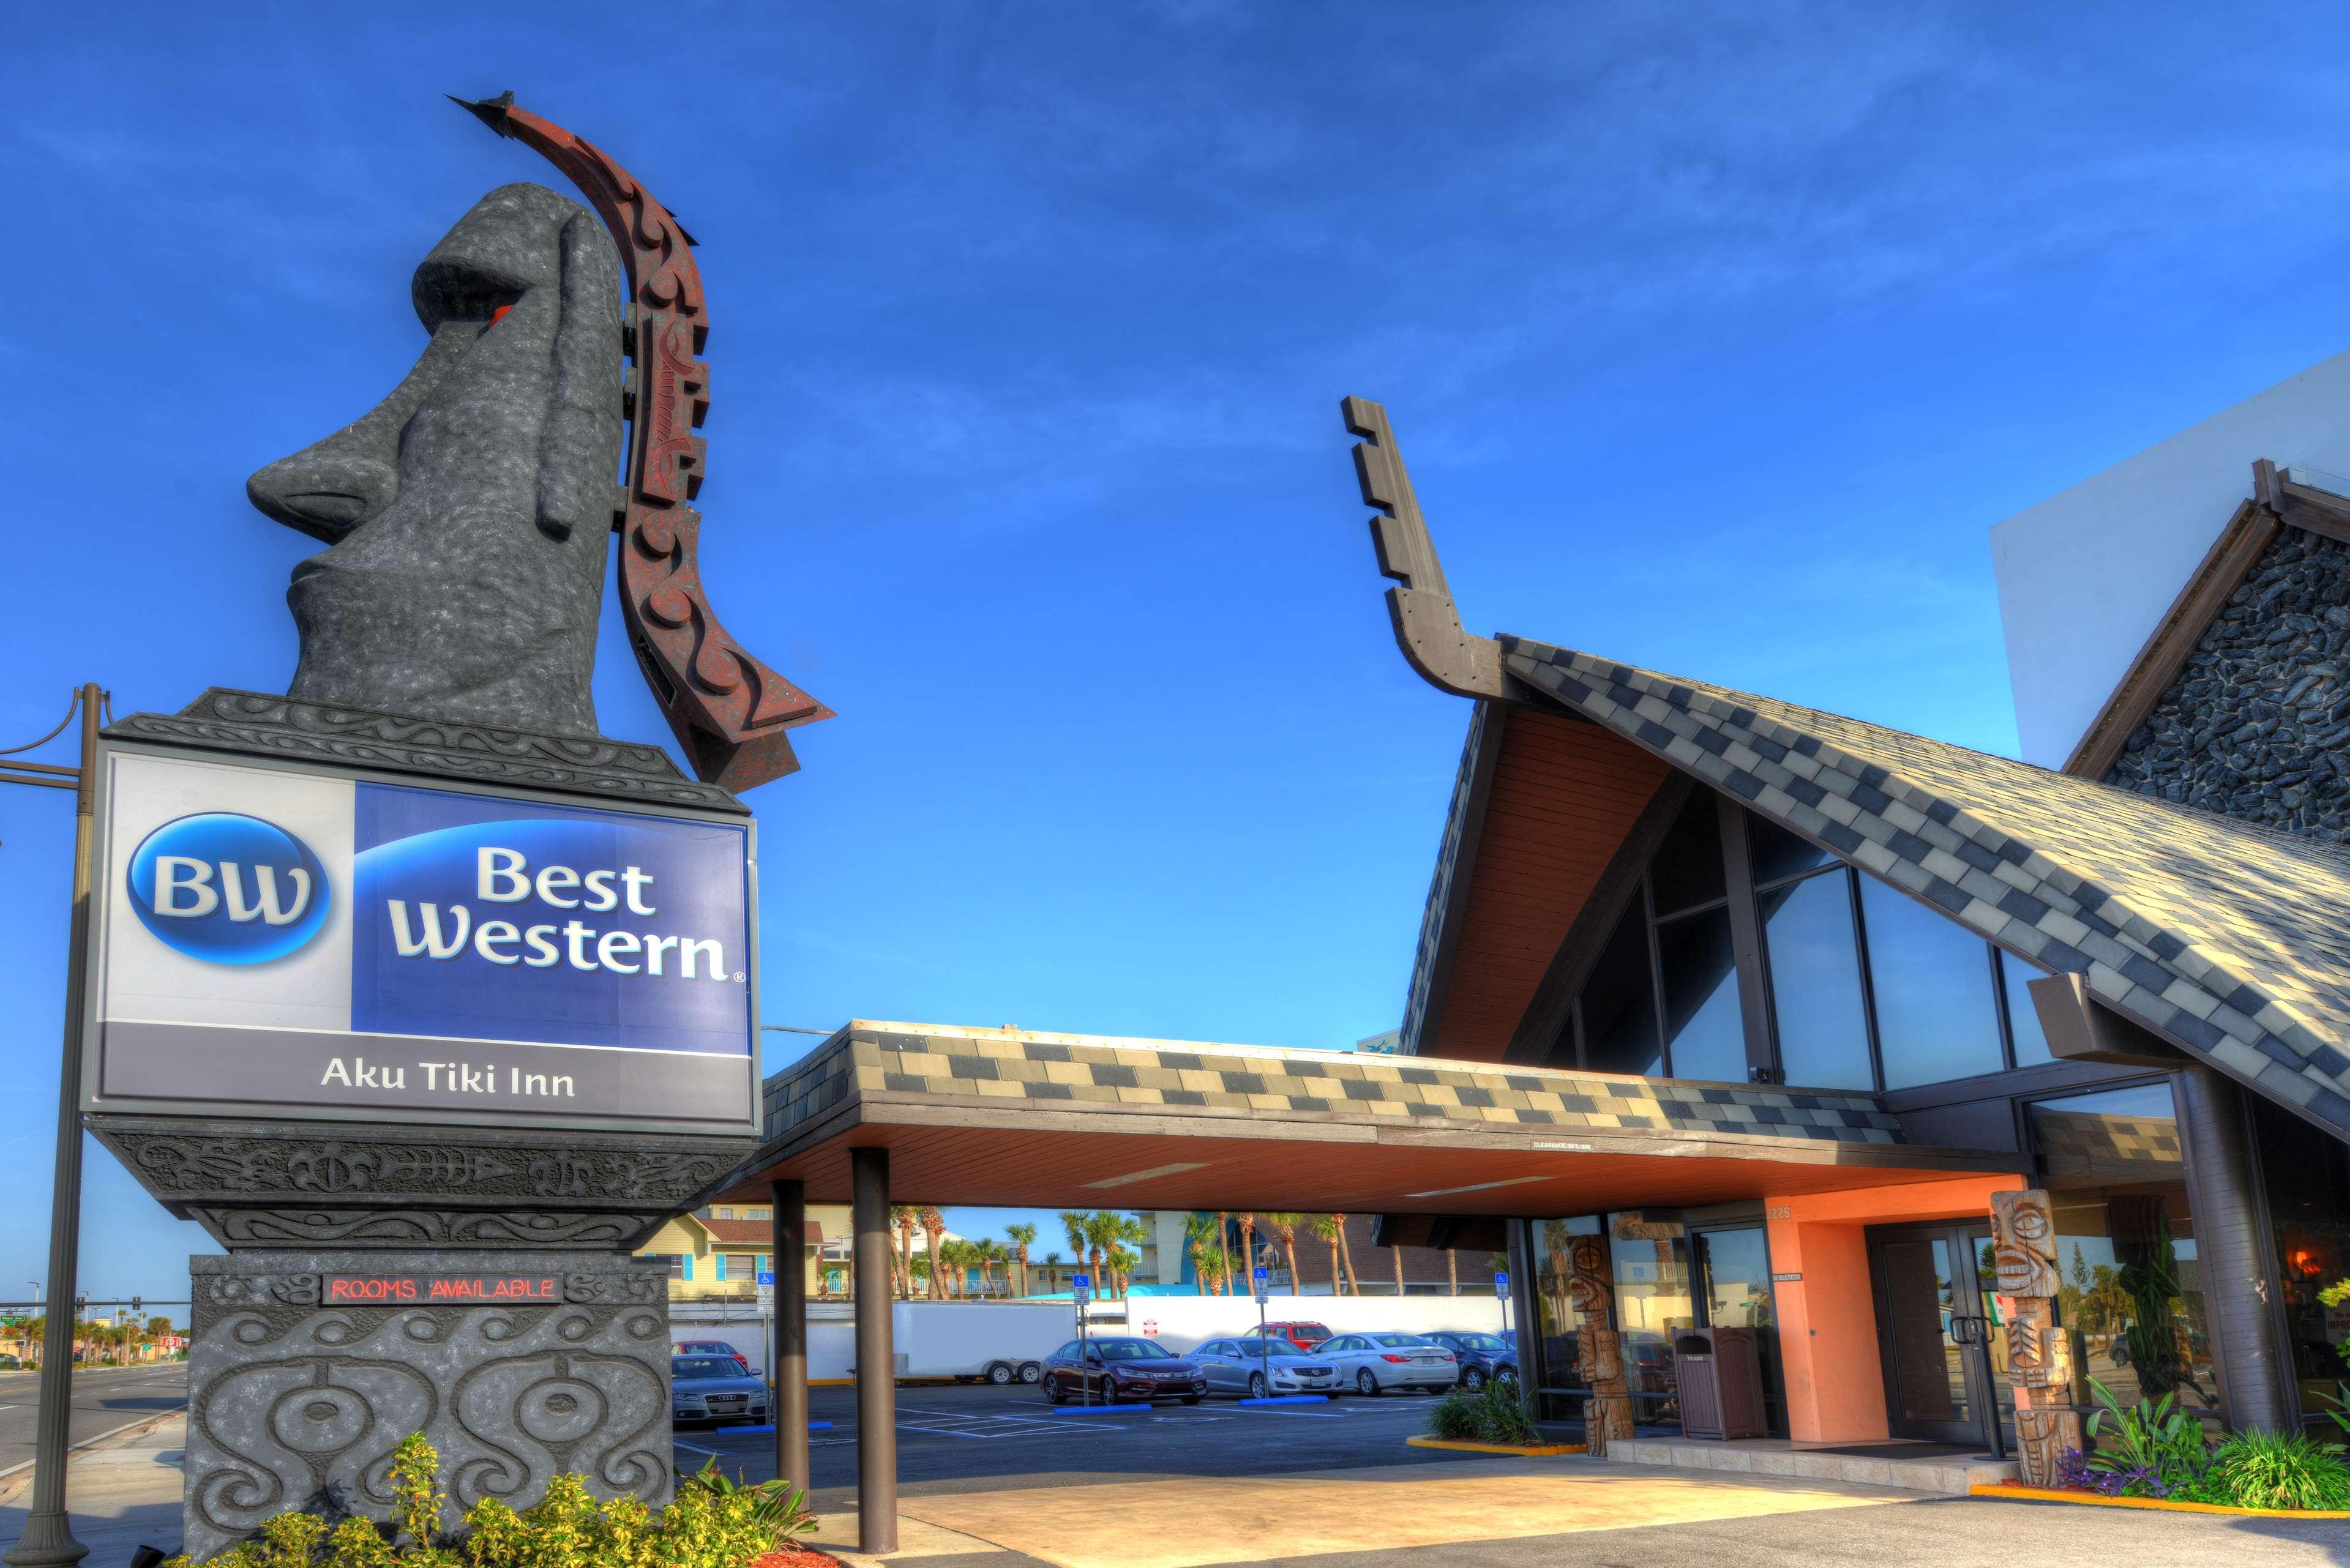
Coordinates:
714	1388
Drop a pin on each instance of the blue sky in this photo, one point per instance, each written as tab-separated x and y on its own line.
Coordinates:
1716	338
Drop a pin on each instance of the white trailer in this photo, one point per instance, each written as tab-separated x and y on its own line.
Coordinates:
993	1341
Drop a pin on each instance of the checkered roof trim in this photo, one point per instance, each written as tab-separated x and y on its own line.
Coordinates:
1079	1072
2231	938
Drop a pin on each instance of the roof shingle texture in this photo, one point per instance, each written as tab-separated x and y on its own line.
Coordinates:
2231	938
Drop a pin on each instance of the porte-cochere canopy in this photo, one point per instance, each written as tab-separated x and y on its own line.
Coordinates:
1021	1120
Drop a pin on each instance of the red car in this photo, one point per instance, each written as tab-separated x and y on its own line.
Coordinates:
1304	1335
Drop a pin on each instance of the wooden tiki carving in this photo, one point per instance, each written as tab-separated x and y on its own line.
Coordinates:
1591	1283
2039	1354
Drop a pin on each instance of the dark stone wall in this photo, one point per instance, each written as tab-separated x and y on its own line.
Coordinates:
2255	727
293	1403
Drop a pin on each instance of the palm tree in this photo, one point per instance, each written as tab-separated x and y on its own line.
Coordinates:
1248	1249
934	1227
1133	1230
1198	1231
1120	1263
1453	1267
902	1220
1223	1252
1327	1227
1285	1230
1396	1253
1101	1235
1073	1224
1020	1237
1052	1261
1346	1256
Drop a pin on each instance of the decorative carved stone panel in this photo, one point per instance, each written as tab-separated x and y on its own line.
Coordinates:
307	1183
288	1398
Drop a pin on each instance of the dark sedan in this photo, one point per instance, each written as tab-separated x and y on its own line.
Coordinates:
1109	1371
1483	1357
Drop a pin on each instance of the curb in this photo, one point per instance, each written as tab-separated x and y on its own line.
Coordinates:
2162	1505
9	1477
1531	1450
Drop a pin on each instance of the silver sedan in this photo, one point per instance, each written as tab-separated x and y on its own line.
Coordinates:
1257	1368
1374	1363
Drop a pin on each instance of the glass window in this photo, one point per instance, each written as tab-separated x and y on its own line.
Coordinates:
1816	983
741	1266
2307	1174
2132	1295
1703	1031
2022	1018
1735	1269
1652	1304
1686	871
1931	979
1779	854
1558	1369
1620	1005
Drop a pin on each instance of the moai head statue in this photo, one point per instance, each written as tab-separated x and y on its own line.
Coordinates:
467	516
2024	1243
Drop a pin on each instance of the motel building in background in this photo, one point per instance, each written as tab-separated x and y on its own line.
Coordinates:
1771	1001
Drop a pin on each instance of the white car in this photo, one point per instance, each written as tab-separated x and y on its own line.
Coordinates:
1375	1363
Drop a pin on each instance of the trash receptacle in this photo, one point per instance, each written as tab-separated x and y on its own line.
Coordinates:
1719	1372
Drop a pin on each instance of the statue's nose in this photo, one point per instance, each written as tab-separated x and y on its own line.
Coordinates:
326	490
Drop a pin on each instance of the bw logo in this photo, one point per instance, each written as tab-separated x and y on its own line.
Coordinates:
228	888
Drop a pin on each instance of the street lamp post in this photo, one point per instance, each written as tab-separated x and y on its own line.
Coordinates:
48	1539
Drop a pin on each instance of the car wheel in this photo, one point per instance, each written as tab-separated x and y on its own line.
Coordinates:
1256	1385
1030	1372
1473	1380
1506	1374
1366	1385
1000	1372
1053	1395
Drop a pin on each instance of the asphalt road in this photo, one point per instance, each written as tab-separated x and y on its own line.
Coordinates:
974	1438
103	1399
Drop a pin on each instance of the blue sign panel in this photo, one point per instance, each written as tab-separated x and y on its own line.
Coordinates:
337	946
473	919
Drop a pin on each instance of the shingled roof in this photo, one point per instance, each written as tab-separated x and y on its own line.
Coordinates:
2232	941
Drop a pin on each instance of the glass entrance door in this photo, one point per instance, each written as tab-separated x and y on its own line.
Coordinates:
1937	1332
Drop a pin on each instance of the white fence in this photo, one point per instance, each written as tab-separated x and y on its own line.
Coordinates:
945	1339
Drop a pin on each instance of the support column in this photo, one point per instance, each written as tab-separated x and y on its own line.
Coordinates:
876	1358
2231	1253
791	1402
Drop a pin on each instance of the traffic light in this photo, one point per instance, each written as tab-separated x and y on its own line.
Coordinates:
134	1305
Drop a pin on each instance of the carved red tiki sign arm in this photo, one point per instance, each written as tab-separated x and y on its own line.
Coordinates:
729	711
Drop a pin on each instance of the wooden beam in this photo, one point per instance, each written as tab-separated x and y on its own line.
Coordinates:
2221	573
1546	1013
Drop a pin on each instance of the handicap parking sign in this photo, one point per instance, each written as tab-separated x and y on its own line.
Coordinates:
766	1279
1501	1285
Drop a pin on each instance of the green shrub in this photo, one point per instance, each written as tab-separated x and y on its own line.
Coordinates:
715	1522
1494	1414
2274	1469
2153	1438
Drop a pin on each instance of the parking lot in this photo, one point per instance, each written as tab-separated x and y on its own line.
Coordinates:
958	1438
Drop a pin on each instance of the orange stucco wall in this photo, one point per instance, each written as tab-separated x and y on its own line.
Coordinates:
1827	1319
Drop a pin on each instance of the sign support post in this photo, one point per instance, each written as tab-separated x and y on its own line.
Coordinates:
1081	1292
48	1539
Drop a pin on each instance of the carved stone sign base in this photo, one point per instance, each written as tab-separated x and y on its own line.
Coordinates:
294	1400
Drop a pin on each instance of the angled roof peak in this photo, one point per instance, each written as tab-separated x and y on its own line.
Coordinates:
1427	622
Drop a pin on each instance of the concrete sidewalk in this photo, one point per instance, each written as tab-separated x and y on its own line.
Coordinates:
121	1494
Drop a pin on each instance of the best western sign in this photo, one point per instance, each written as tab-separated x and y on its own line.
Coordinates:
302	942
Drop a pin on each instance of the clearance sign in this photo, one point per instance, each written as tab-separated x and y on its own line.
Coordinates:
314	944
